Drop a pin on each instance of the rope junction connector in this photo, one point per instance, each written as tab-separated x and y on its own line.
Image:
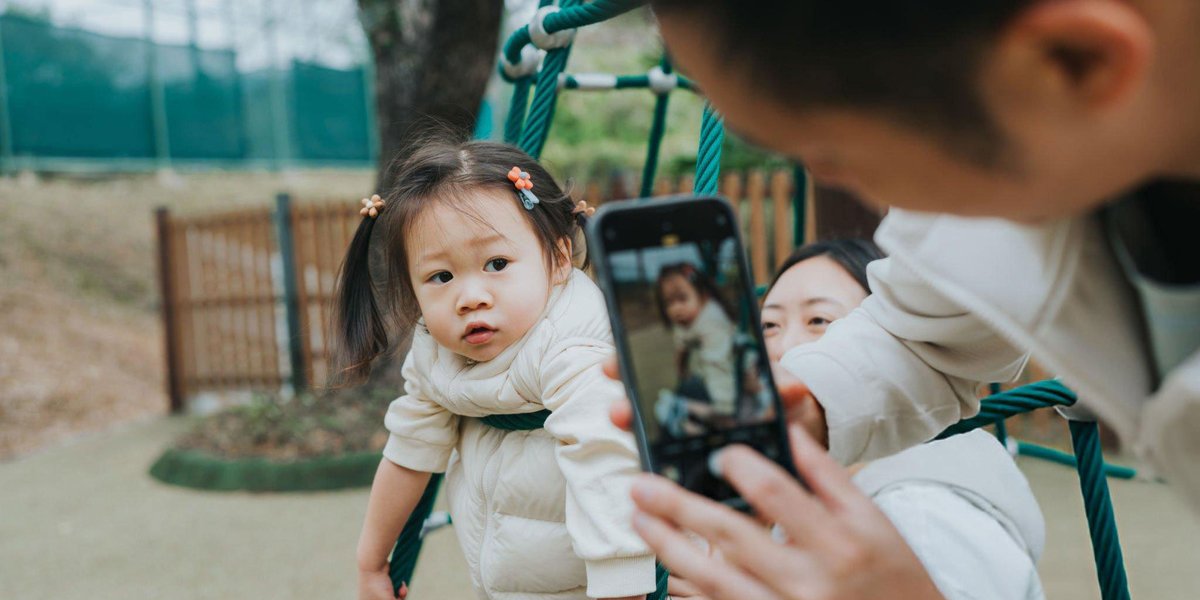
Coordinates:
662	82
531	57
544	40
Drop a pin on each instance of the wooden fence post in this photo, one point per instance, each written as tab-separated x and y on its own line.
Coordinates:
166	282
291	300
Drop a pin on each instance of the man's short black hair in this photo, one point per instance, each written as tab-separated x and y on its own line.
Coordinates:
917	62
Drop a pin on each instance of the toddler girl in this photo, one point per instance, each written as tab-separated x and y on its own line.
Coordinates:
703	329
482	265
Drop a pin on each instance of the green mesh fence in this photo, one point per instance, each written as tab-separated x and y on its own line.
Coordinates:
77	95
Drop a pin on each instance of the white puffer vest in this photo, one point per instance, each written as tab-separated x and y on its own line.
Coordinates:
542	514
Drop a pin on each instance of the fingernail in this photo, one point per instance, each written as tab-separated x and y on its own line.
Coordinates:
640	520
642	489
714	463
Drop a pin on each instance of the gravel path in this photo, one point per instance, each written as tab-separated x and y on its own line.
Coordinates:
85	521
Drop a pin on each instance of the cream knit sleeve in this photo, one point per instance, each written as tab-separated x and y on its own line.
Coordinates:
598	462
423	432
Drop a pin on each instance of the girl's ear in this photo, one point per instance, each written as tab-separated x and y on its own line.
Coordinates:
562	260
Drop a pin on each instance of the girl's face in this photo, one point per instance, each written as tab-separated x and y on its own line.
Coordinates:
807	297
681	300
478	272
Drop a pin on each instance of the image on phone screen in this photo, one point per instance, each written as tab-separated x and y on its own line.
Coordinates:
692	342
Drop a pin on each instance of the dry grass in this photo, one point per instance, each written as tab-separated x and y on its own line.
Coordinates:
80	338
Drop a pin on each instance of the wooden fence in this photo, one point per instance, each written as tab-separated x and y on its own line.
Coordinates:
247	293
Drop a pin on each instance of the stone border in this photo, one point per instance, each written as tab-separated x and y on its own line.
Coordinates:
202	471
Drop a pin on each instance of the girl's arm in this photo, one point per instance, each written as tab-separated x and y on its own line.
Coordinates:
598	462
394	493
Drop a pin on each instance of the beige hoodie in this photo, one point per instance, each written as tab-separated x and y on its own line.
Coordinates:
542	514
962	301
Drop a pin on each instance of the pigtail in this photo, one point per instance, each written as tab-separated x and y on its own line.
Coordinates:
359	329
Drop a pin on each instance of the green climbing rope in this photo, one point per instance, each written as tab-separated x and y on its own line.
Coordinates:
1102	524
1014	402
658	128
708	157
408	545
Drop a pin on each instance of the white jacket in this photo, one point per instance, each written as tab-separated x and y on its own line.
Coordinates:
965	300
542	514
968	514
710	337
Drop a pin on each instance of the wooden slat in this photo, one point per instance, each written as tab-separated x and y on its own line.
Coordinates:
755	192
265	285
781	214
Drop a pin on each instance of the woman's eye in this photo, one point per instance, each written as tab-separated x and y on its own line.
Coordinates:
441	277
770	328
819	322
496	264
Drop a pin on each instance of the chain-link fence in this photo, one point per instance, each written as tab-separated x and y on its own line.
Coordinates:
75	98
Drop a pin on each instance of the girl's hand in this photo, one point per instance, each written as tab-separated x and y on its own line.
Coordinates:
377	585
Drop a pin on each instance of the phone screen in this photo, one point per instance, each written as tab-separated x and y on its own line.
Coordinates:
690	338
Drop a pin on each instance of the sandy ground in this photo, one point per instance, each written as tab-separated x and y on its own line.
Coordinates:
84	521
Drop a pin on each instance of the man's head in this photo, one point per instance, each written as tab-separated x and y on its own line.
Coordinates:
1027	109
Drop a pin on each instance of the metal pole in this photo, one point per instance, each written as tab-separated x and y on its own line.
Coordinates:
280	118
799	205
158	105
166	282
291	298
6	137
193	36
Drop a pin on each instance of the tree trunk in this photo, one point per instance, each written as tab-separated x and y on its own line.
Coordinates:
433	59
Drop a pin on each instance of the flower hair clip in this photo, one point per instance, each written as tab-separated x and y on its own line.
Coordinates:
582	208
524	187
371	206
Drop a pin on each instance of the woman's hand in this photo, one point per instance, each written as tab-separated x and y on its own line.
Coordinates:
377	585
841	545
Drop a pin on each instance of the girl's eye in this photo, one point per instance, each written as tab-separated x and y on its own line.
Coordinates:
770	328
441	277
819	322
496	264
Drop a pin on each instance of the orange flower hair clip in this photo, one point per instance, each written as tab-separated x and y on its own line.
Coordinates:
371	206
524	187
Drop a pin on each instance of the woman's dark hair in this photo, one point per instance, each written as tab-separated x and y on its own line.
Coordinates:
704	285
852	254
372	302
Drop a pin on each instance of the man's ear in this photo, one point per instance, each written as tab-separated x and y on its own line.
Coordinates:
1077	56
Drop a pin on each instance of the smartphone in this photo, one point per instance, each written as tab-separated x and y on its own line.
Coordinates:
685	318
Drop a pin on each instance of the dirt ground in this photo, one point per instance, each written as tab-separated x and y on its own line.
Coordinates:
83	520
80	337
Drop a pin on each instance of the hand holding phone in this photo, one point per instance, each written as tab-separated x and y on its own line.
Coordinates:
688	337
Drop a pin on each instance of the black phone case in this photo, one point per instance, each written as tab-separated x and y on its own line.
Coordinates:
596	247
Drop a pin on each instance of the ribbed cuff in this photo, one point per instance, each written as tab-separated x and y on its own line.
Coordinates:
842	396
620	577
417	455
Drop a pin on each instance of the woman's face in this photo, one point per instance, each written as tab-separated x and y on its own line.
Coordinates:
807	297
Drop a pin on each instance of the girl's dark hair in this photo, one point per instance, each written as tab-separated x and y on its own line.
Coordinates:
373	301
852	254
705	286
